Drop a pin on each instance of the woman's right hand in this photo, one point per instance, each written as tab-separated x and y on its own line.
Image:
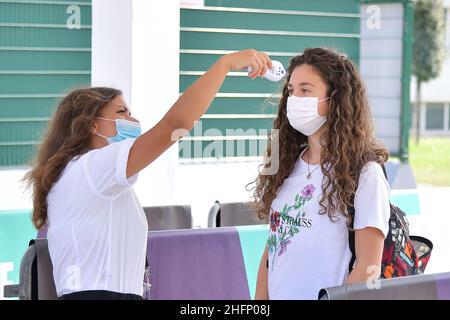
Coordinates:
258	61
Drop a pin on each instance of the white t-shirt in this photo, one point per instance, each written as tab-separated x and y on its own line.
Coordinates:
97	230
307	251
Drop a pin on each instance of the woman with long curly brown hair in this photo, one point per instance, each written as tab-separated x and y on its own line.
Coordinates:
329	161
83	176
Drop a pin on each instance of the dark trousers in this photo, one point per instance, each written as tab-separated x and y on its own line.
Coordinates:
99	295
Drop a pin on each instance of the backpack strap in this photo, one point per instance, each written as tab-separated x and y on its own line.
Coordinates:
351	232
384	170
351	236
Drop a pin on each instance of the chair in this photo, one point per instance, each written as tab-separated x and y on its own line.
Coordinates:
168	217
159	218
420	287
232	214
36	275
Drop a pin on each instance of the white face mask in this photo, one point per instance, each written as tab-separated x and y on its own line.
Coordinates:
303	115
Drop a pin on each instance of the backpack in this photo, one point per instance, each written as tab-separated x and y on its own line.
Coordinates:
403	255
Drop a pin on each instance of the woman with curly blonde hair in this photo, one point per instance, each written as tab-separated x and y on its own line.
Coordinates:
329	162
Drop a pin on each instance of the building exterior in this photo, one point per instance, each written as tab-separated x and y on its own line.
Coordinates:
435	115
153	50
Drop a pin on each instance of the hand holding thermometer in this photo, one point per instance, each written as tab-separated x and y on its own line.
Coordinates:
275	74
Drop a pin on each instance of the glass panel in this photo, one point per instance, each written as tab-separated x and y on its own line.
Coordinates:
434	116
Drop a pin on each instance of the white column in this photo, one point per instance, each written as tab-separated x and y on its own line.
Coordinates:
155	68
446	119
111	45
423	118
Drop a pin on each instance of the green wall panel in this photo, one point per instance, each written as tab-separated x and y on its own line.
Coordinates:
17	131
246	126
238	84
340	6
44	37
202	62
40	60
221	149
20	107
263	42
258	21
45	60
16	155
36	84
252	24
244	106
40	13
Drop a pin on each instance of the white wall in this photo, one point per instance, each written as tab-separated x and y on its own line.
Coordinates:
111	44
201	185
436	90
381	67
13	194
155	55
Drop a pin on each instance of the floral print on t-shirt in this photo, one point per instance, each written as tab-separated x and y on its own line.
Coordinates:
283	227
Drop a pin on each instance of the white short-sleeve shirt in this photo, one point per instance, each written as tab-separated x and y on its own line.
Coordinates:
307	251
97	229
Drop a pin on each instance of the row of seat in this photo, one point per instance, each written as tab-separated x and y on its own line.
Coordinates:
36	283
36	278
180	216
220	215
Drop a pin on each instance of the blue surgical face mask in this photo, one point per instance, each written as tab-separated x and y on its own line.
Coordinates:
125	129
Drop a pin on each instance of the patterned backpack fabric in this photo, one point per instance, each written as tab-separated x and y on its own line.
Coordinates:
403	255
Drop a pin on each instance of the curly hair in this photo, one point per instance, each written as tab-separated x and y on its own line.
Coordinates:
347	143
68	135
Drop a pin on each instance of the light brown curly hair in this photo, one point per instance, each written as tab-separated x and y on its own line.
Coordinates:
348	142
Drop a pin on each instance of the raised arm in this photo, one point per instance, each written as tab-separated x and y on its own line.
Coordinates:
194	102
